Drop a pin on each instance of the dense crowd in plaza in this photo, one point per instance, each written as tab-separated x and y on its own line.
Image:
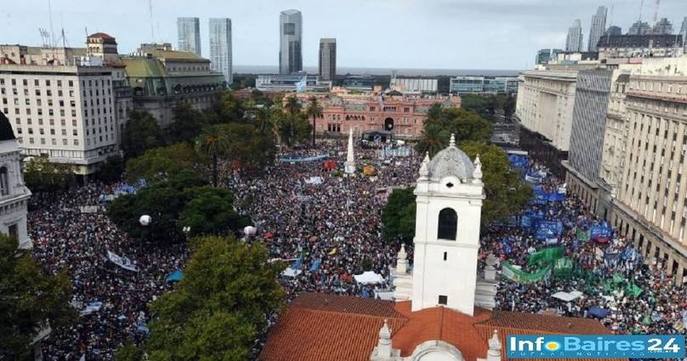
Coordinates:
69	237
329	231
601	267
327	227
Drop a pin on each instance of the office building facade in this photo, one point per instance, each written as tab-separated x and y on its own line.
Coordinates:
544	56
639	28
414	85
573	42
663	27
651	204
290	42
613	30
188	30
640	46
220	47
598	27
483	85
544	110
64	112
587	134
327	59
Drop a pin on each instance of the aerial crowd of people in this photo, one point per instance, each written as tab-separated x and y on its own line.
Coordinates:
328	228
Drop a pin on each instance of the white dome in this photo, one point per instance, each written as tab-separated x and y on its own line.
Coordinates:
451	161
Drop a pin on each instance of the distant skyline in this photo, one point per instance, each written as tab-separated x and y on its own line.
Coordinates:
441	34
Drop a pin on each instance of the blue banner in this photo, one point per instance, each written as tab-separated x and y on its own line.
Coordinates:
595	346
549	230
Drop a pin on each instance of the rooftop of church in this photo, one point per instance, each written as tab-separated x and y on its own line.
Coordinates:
319	327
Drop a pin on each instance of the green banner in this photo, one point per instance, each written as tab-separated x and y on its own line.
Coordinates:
634	290
563	266
546	256
520	276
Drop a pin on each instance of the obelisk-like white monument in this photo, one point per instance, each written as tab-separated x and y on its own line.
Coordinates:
350	157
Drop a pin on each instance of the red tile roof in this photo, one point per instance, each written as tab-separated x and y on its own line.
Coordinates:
319	327
101	35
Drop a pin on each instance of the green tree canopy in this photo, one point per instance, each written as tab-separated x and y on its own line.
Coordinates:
162	201
220	307
441	123
226	109
158	163
398	216
210	212
187	123
506	193
484	105
41	175
140	134
111	170
28	298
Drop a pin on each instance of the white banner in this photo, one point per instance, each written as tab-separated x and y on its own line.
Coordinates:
123	262
91	308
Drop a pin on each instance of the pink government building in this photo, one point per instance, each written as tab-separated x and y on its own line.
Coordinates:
402	115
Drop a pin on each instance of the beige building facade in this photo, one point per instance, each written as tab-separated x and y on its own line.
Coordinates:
651	207
64	112
545	104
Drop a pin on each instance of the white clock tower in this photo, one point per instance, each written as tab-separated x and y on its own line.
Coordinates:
447	225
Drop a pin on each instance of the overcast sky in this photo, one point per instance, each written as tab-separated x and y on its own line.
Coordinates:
452	34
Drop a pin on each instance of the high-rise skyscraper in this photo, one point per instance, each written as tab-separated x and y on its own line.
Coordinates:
290	40
598	28
188	30
663	26
220	47
327	58
683	31
639	28
614	30
574	40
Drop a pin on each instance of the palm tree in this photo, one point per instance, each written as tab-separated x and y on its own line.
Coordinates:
292	105
213	142
314	110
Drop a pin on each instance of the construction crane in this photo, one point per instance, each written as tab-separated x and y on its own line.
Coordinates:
658	4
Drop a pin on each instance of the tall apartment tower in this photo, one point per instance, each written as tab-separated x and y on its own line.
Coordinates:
663	27
220	47
574	40
188	30
598	28
327	58
290	41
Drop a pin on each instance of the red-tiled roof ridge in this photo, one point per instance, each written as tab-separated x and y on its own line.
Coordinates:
544	323
319	327
101	35
347	305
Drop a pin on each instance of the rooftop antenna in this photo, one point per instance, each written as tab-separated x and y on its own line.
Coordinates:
52	33
152	28
641	8
64	38
658	3
45	37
